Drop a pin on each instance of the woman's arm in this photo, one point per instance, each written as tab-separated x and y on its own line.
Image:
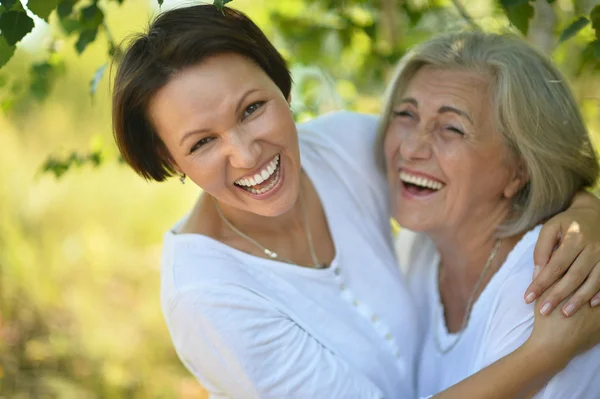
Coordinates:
568	251
517	375
238	345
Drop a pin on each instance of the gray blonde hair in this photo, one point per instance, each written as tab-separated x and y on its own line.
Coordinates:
535	111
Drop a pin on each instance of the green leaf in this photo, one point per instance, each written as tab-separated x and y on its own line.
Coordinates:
85	37
221	3
59	167
42	77
596	46
160	3
8	3
513	3
573	29
91	17
70	25
551	1
595	17
42	8
15	25
589	56
519	12
65	8
97	78
6	51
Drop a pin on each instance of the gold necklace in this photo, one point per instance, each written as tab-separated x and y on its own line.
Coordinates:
272	254
467	316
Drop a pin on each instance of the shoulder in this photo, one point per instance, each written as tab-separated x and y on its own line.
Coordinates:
343	124
193	262
517	274
347	143
350	133
509	318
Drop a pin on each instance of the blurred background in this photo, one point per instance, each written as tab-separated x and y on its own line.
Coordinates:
80	234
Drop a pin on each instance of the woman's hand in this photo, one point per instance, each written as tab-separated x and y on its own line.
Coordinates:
568	251
560	338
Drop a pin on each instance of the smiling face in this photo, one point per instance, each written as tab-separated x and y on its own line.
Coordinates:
446	164
229	128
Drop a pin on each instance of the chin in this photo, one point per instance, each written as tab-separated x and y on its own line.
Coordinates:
410	222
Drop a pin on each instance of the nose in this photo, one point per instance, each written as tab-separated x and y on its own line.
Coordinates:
416	144
243	150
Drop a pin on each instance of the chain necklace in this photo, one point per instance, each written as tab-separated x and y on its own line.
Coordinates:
469	307
272	254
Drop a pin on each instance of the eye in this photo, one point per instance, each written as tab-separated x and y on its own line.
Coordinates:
252	108
455	130
200	143
403	114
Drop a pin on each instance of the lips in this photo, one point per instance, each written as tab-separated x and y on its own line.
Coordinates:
418	184
264	181
258	178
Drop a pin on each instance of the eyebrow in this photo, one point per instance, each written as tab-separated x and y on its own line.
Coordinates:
237	109
441	110
446	108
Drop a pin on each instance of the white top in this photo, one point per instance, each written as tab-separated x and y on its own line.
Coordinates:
500	322
249	327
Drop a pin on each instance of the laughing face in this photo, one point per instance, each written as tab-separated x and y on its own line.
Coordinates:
229	128
446	164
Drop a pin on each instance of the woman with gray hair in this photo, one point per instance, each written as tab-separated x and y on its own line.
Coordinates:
483	141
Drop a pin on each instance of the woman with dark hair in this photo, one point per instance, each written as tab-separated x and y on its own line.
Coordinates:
281	282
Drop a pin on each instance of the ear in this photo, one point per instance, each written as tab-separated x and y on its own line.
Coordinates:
519	178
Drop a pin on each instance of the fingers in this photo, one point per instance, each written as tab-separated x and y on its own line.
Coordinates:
590	287
548	239
568	251
595	300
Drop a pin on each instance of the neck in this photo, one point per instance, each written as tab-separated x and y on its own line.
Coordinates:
465	252
465	249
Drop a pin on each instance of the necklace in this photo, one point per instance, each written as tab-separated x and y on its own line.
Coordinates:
272	254
469	307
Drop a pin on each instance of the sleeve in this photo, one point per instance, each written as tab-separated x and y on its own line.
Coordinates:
512	323
240	346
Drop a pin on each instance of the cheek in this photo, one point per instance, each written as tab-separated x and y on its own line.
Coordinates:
391	145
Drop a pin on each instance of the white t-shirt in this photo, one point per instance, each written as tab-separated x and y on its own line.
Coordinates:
500	322
249	327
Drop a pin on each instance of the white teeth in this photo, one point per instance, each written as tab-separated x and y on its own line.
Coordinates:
420	181
261	176
268	187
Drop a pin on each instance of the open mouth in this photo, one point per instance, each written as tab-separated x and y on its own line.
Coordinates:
263	181
419	185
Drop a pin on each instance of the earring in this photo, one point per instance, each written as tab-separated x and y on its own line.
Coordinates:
182	178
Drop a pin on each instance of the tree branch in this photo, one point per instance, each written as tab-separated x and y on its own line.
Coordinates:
463	13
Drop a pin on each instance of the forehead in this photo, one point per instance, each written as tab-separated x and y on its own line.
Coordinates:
436	86
214	77
201	93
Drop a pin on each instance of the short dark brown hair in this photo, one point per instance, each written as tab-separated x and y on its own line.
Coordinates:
177	39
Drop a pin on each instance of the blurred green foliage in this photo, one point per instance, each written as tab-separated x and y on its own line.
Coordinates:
79	256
